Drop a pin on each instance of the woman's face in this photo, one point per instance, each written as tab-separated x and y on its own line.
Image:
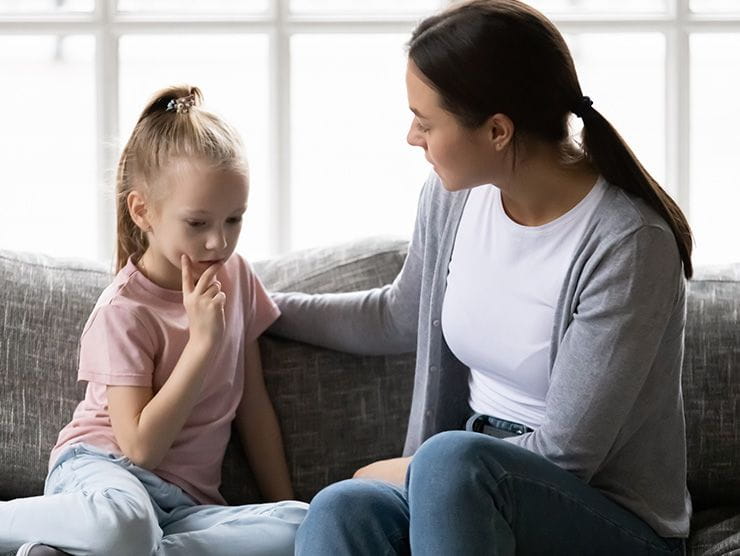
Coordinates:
461	157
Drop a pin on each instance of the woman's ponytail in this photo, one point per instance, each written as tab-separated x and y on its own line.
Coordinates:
486	57
606	149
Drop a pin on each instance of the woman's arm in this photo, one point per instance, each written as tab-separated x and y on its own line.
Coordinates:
607	353
146	424
380	321
259	432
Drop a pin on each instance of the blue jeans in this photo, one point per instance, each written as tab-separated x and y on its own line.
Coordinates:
468	493
98	503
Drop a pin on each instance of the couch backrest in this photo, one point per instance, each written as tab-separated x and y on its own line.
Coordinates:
44	303
337	411
711	385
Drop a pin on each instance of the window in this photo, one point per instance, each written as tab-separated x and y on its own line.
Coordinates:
316	89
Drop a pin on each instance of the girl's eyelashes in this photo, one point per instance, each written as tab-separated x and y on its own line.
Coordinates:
201	224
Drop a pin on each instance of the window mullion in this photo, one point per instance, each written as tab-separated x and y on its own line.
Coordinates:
279	122
106	84
678	116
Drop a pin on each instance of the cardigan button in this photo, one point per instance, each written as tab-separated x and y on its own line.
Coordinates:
433	369
435	322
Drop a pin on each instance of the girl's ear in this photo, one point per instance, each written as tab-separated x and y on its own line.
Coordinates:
137	209
500	131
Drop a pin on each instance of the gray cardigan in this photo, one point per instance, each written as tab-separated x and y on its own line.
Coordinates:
614	408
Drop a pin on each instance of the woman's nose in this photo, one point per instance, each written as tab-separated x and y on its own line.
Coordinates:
413	137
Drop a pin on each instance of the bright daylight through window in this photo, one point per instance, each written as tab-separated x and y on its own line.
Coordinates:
316	88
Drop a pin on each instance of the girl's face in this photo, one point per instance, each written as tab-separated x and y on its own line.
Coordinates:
199	214
461	157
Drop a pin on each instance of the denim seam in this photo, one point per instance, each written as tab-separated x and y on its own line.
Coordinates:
551	487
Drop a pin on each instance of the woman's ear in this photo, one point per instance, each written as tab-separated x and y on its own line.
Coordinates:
500	130
137	209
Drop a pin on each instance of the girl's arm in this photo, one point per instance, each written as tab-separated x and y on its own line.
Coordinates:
146	424
260	433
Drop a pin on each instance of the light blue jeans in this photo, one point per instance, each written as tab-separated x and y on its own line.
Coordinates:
98	503
467	493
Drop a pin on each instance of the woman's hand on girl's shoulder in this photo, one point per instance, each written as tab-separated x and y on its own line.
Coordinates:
204	303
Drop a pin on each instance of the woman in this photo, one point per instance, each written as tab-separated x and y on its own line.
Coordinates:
547	311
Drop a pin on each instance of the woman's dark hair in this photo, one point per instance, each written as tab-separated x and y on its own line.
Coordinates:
485	57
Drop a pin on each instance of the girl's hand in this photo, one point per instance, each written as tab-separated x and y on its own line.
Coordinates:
391	470
204	303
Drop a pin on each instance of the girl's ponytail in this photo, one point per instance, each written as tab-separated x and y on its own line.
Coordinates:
130	239
606	149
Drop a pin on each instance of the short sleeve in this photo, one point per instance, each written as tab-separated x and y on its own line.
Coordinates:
116	349
260	311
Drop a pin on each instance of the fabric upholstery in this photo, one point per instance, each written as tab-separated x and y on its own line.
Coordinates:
711	382
338	411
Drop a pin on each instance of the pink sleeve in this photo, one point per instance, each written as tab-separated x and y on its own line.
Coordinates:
259	310
116	349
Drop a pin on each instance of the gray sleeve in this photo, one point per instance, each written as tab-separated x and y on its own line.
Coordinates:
608	351
374	322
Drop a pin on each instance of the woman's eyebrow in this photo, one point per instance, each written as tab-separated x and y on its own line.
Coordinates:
418	114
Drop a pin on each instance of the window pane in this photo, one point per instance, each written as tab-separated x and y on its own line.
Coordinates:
353	173
47	145
16	7
624	74
193	6
599	6
715	120
240	96
383	7
715	6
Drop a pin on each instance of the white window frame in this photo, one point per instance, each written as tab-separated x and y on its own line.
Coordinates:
107	26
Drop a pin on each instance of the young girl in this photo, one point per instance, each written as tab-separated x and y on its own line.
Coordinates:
544	295
171	358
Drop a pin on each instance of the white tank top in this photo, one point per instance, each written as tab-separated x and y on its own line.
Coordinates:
502	288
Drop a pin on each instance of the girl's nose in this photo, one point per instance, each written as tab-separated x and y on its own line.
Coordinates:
216	240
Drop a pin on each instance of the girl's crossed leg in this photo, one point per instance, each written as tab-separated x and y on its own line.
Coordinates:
97	503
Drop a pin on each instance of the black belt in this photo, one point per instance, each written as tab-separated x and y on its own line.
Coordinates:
495	426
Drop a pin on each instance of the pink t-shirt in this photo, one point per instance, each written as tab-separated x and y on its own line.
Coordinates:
135	336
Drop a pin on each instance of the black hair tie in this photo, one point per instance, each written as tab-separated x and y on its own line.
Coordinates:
583	106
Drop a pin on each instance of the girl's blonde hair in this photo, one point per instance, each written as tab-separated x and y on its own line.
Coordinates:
172	126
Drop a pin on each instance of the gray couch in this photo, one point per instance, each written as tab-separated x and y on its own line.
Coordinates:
338	411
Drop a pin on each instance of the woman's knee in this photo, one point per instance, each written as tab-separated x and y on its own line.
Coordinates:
355	513
450	447
449	460
345	500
